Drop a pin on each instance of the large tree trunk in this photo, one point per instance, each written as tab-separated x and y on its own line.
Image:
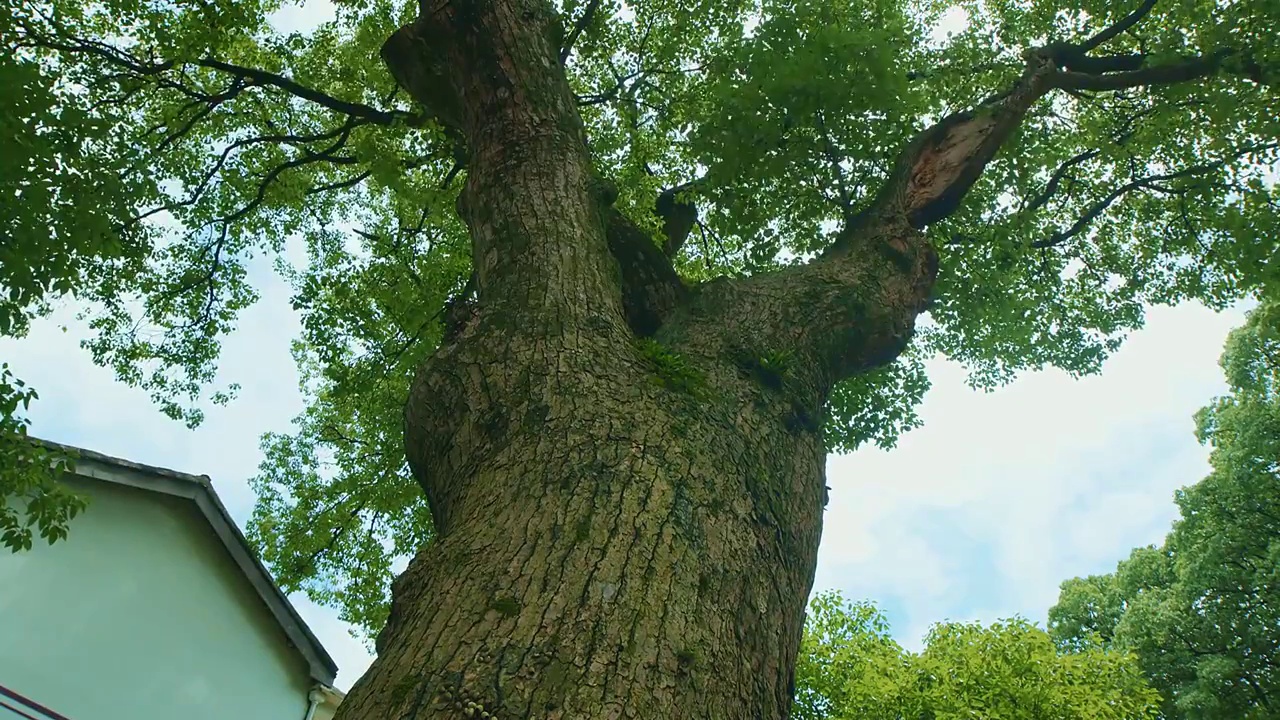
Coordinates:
625	529
626	526
608	546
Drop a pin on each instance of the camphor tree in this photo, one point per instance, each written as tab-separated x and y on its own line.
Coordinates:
616	278
1202	612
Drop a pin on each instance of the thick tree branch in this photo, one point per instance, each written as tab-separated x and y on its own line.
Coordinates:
421	70
489	73
1074	61
1165	74
584	21
833	317
936	170
427	61
651	289
822	310
1122	26
459	309
939	167
678	214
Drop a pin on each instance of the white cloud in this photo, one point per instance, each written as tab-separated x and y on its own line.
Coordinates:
1040	481
302	17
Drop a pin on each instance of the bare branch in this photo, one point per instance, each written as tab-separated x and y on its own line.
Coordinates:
1123	25
225	156
306	158
352	109
1145	183
341	184
624	85
704	232
237	86
1055	180
143	68
588	14
1148	183
628	86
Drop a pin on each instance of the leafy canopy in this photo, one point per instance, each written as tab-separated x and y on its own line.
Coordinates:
849	667
171	153
1202	612
31	500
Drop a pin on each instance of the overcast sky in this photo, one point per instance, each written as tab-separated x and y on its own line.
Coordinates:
978	515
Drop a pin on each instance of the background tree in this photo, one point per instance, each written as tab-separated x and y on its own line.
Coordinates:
849	667
636	269
1202	612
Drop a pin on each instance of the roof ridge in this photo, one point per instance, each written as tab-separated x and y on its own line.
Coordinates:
88	454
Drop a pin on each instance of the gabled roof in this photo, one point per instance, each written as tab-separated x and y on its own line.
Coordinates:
199	490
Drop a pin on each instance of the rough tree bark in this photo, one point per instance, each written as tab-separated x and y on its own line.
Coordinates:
626	474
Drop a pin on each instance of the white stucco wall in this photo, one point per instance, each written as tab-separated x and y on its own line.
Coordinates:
141	615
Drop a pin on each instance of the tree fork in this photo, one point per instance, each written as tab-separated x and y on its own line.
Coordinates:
599	534
628	526
603	508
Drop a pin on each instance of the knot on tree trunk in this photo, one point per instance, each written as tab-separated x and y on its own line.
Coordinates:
678	218
415	55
